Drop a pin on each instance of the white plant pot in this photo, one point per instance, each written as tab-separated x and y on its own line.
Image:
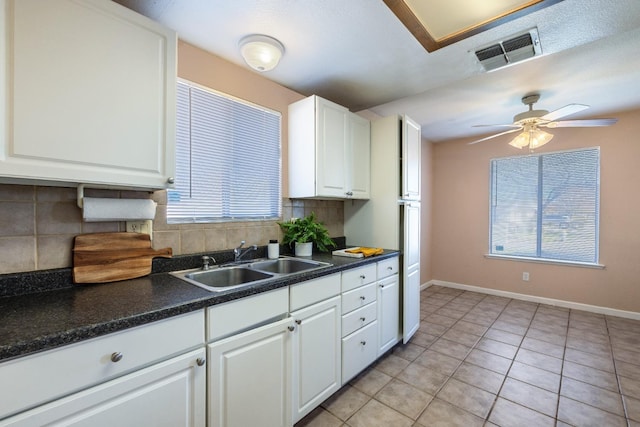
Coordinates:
303	249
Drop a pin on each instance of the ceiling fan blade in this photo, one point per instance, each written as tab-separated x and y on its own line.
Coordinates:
581	123
493	136
564	111
495	126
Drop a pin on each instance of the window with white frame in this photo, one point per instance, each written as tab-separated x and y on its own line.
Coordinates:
228	163
546	206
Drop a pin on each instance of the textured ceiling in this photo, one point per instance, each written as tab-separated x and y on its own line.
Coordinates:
357	53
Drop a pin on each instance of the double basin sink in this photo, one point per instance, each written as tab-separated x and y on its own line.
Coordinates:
218	279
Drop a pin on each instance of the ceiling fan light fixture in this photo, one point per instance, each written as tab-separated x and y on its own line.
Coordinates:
260	52
532	137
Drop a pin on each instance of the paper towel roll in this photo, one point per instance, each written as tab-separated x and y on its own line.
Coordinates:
100	209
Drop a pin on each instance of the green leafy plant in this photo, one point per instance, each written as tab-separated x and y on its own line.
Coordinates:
305	230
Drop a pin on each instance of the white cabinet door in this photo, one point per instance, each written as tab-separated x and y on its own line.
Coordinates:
388	313
359	350
249	380
316	355
167	394
359	161
411	159
91	99
331	149
411	270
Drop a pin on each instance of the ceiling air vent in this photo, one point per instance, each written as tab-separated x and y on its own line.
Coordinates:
506	52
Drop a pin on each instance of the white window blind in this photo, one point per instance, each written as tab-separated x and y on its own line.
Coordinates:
228	164
546	206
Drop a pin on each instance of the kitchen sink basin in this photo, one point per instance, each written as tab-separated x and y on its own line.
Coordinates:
287	265
233	276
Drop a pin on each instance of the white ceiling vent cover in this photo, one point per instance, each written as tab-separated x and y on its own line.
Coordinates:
506	52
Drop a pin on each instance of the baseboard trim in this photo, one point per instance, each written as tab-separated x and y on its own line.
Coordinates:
541	300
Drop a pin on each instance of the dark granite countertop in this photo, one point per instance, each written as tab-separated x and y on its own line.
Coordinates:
67	314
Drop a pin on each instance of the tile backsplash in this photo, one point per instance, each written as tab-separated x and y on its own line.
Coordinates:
39	223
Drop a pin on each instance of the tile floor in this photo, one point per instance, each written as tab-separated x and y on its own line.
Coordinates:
482	360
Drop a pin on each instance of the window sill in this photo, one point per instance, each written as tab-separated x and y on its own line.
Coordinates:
546	261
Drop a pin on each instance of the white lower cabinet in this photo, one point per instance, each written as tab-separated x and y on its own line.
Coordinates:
388	313
168	394
316	355
249	378
359	350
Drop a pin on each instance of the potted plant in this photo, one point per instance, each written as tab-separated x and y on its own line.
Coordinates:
304	232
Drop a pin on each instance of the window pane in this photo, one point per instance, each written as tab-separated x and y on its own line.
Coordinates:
228	164
570	205
514	206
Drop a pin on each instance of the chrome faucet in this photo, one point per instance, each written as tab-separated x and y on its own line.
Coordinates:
239	253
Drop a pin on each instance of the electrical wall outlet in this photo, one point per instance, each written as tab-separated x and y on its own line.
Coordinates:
144	227
525	276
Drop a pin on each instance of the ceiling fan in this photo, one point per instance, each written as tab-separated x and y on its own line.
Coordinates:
530	123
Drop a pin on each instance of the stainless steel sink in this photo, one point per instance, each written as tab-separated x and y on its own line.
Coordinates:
233	276
287	265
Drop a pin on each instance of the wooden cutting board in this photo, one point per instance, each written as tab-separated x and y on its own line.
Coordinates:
108	257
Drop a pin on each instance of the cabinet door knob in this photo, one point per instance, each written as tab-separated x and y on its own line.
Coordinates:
389	268
363	298
363	319
382	286
291	328
298	321
200	361
363	342
362	276
116	357
171	180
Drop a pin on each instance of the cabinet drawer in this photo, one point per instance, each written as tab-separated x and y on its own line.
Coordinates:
45	376
359	318
240	315
358	297
387	267
352	279
359	350
312	291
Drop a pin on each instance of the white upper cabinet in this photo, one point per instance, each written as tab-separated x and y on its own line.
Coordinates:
329	151
411	158
90	95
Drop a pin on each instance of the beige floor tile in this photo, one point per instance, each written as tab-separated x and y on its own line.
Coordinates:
625	355
438	362
319	417
539	360
592	395
489	361
628	370
392	365
480	319
467	397
543	347
630	387
451	312
432	328
441	320
404	398
496	347
503	336
375	414
602	379
508	414
530	396
587	359
633	408
587	346
425	379
370	381
461	337
345	402
557	339
450	348
442	414
510	327
535	376
479	377
408	351
580	414
423	339
469	327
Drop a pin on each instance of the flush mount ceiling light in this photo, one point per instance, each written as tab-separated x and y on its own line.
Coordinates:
260	52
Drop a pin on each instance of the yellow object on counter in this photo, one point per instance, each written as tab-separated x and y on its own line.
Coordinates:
365	251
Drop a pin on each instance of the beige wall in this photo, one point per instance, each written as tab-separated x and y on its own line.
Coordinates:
39	223
426	212
461	220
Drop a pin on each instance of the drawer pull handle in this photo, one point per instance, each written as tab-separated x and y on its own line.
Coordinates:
298	321
200	361
363	319
389	268
291	328
362	276
363	342
363	298
116	357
